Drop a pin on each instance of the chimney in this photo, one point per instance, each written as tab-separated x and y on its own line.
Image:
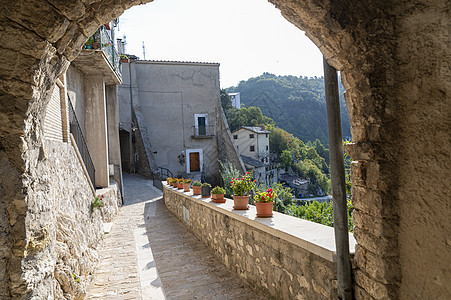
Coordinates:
263	126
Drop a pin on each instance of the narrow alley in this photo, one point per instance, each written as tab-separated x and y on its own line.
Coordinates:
149	254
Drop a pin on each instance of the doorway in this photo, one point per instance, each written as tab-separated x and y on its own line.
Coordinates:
194	160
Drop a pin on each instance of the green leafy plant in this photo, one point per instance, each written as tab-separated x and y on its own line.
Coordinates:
188	180
206	184
243	185
98	202
321	213
265	197
197	183
218	190
228	172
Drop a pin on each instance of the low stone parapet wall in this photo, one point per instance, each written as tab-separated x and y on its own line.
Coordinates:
281	257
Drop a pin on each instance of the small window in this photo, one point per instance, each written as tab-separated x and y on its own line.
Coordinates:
252	148
235	137
266	135
251	136
267	148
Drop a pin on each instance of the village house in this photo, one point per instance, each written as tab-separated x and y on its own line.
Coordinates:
178	126
252	142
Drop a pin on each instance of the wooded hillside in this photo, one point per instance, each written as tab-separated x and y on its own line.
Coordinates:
296	104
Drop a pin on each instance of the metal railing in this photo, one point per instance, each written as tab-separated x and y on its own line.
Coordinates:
81	143
102	40
204	130
164	173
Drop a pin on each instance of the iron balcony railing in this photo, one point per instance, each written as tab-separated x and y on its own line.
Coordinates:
81	143
102	40
203	131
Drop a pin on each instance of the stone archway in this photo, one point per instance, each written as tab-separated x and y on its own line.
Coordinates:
392	59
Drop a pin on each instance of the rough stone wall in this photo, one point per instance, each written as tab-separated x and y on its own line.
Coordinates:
226	148
271	265
61	246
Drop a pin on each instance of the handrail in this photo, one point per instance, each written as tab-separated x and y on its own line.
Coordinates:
77	133
165	172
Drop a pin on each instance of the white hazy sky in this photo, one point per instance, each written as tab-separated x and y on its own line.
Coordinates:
247	37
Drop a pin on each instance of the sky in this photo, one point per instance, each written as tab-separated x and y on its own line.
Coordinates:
247	37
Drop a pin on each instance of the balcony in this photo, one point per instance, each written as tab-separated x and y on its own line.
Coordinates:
99	55
203	132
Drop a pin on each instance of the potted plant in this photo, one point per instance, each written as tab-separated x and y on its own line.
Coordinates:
217	195
174	182
205	190
241	188
197	188
186	185
124	58
168	180
180	183
264	203
89	42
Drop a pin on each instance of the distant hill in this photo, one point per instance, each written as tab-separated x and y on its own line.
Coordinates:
296	104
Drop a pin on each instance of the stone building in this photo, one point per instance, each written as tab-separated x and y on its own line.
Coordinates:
178	120
253	144
236	99
394	61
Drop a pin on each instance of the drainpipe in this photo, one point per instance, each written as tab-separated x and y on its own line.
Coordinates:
132	130
338	182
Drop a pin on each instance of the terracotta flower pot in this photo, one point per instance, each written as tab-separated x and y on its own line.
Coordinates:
196	190
205	191
264	210
180	185
241	202
186	186
218	198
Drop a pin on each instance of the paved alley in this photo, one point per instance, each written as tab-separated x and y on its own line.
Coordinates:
150	254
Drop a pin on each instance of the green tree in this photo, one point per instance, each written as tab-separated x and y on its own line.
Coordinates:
286	159
226	102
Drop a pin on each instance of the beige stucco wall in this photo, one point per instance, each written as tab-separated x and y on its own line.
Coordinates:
169	95
260	141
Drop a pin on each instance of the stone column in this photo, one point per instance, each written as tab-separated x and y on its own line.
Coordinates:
114	148
96	126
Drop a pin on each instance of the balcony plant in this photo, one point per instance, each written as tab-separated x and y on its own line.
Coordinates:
241	189
196	188
187	185
168	180
180	183
217	195
124	58
264	202
205	190
174	182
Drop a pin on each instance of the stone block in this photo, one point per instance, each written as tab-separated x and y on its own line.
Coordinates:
374	289
374	202
382	268
39	17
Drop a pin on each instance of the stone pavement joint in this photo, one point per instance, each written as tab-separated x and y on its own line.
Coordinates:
150	254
